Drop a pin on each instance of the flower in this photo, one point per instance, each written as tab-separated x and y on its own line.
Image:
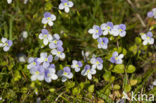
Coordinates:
45	59
9	1
45	36
6	44
152	13
119	30
96	31
48	19
37	73
103	43
58	53
50	73
21	57
65	4
96	63
24	34
25	1
88	72
56	42
154	82
65	74
76	65
147	38
117	59
33	63
107	27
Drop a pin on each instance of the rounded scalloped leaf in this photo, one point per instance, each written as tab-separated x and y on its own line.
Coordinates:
130	69
119	68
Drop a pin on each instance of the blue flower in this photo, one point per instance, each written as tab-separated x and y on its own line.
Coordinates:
96	63
147	38
119	30
6	44
103	43
87	71
96	31
65	74
76	65
45	36
152	13
48	19
33	63
45	59
58	53
65	4
56	42
50	73
107	27
116	58
37	73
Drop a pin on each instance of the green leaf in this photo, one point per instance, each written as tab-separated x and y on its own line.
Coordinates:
119	68
75	91
127	88
91	88
116	87
130	69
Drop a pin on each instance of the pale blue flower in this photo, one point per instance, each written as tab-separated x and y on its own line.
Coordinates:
45	59
152	13
87	71
96	63
119	30
37	73
103	43
33	63
96	31
58	53
76	65
6	44
65	4
48	19
65	74
50	73
116	58
147	38
45	36
56	42
107	27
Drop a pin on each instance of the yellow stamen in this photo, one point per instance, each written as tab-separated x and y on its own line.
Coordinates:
46	59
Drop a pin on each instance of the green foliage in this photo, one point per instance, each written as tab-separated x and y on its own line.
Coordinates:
135	74
119	68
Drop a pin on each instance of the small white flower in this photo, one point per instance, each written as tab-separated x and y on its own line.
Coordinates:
45	59
96	63
96	31
50	73
88	72
58	53
154	82
107	27
65	4
37	73
147	38
45	36
65	74
6	44
76	65
25	34
48	19
116	58
9	1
